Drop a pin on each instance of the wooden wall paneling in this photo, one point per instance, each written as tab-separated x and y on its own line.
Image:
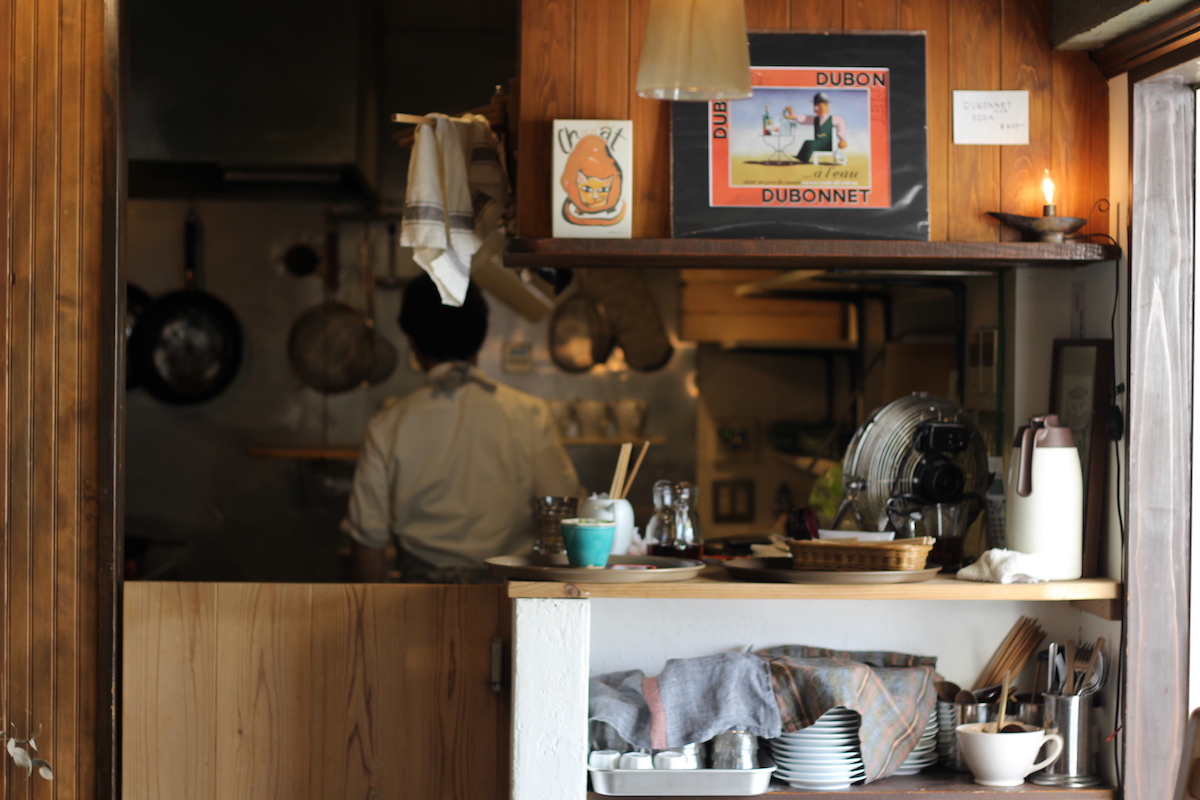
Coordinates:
451	712
933	17
355	741
263	736
817	15
974	169
1025	64
547	93
170	712
1097	168
651	142
768	15
601	41
875	15
1077	135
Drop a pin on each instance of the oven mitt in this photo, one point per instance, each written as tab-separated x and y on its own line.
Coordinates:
636	323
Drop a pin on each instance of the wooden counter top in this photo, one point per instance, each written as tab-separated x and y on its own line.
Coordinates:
714	583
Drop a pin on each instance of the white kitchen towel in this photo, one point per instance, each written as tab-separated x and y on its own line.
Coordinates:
1007	566
456	197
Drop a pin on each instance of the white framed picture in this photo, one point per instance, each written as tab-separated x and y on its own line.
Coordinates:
592	179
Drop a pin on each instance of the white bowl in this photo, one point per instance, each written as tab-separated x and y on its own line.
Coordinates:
862	536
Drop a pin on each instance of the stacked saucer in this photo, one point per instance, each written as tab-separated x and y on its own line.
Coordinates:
824	756
926	752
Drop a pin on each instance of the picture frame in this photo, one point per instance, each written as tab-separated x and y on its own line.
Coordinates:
1080	394
832	144
591	189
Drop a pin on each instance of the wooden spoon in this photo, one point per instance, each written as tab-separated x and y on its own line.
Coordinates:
966	697
946	690
1003	703
1091	664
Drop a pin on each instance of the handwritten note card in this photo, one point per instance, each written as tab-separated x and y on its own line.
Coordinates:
991	117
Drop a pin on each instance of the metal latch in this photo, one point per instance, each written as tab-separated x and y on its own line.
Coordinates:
497	664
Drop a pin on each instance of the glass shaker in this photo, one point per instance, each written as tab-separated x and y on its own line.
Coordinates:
677	534
658	529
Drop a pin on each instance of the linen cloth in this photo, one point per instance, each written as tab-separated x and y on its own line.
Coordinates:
451	472
456	197
892	692
1007	566
691	700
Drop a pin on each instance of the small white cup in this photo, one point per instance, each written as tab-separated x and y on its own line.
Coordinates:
592	416
629	414
1004	759
637	761
604	759
670	759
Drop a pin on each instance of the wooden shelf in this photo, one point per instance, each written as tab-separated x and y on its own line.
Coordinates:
714	583
932	786
612	440
800	253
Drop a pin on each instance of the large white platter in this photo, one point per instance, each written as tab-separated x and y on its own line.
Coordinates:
556	568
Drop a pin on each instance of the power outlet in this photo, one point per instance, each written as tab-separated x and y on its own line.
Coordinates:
733	500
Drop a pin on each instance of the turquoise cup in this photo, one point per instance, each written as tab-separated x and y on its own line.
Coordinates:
588	541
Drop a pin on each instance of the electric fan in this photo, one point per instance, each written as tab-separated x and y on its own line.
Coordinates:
917	452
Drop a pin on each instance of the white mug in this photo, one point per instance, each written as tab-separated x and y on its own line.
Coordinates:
670	759
604	759
592	416
618	511
637	761
630	416
1004	759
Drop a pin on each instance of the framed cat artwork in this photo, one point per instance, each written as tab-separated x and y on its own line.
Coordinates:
832	144
591	192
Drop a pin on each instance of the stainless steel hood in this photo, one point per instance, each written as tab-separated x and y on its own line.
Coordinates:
253	99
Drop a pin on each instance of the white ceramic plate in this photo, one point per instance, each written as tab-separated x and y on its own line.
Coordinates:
820	774
813	749
817	761
825	786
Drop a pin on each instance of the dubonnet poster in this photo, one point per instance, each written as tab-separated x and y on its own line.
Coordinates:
592	179
831	145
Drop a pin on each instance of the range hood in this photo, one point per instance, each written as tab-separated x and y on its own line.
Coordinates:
253	99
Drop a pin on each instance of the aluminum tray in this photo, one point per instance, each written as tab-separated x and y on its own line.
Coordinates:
779	570
683	782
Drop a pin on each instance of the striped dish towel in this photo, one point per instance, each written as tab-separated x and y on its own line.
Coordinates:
893	693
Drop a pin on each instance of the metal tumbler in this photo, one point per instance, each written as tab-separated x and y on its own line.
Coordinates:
948	752
1070	716
735	749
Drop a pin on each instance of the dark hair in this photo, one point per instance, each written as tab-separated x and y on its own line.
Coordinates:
441	332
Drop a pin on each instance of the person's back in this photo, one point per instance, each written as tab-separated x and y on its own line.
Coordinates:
451	468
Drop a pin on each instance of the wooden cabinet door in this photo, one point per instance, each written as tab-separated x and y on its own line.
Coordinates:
313	691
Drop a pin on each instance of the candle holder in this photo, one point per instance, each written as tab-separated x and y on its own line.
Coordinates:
1047	228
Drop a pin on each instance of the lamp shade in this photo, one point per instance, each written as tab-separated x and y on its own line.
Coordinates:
695	50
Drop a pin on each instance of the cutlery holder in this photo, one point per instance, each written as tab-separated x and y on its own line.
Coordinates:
1071	716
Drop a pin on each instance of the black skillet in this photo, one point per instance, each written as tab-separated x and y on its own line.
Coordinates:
187	346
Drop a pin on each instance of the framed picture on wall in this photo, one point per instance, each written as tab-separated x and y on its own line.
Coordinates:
831	146
1080	382
592	188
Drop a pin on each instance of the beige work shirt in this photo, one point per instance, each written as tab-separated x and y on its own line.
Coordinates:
452	474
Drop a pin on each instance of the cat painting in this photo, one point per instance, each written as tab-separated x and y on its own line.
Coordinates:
591	163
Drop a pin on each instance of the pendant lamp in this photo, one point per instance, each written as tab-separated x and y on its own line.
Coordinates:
695	50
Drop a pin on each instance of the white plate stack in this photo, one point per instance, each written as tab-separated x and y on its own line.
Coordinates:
925	753
824	756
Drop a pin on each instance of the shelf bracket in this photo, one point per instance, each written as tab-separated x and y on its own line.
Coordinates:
1104	609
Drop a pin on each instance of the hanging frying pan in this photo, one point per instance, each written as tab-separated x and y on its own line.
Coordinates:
385	351
331	346
137	300
580	335
187	346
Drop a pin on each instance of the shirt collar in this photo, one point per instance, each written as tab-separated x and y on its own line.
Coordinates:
447	377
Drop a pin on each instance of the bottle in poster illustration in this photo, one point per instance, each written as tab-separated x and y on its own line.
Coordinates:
592	179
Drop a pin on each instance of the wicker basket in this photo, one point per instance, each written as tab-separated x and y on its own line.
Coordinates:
905	554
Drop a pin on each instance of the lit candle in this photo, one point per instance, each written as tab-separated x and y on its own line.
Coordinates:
1048	210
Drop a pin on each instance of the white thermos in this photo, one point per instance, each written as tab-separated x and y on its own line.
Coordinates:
1045	497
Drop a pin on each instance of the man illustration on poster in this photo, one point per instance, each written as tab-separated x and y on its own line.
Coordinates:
824	124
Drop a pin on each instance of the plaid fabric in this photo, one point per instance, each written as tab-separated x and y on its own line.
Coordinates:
893	692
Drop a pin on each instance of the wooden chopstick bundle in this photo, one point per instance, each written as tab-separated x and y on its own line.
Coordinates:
1014	652
633	474
618	481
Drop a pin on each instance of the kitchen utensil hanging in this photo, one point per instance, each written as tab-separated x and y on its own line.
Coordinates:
580	336
187	346
332	346
385	351
137	300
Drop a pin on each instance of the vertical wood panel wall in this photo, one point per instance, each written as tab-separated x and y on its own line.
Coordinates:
56	157
971	44
310	692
